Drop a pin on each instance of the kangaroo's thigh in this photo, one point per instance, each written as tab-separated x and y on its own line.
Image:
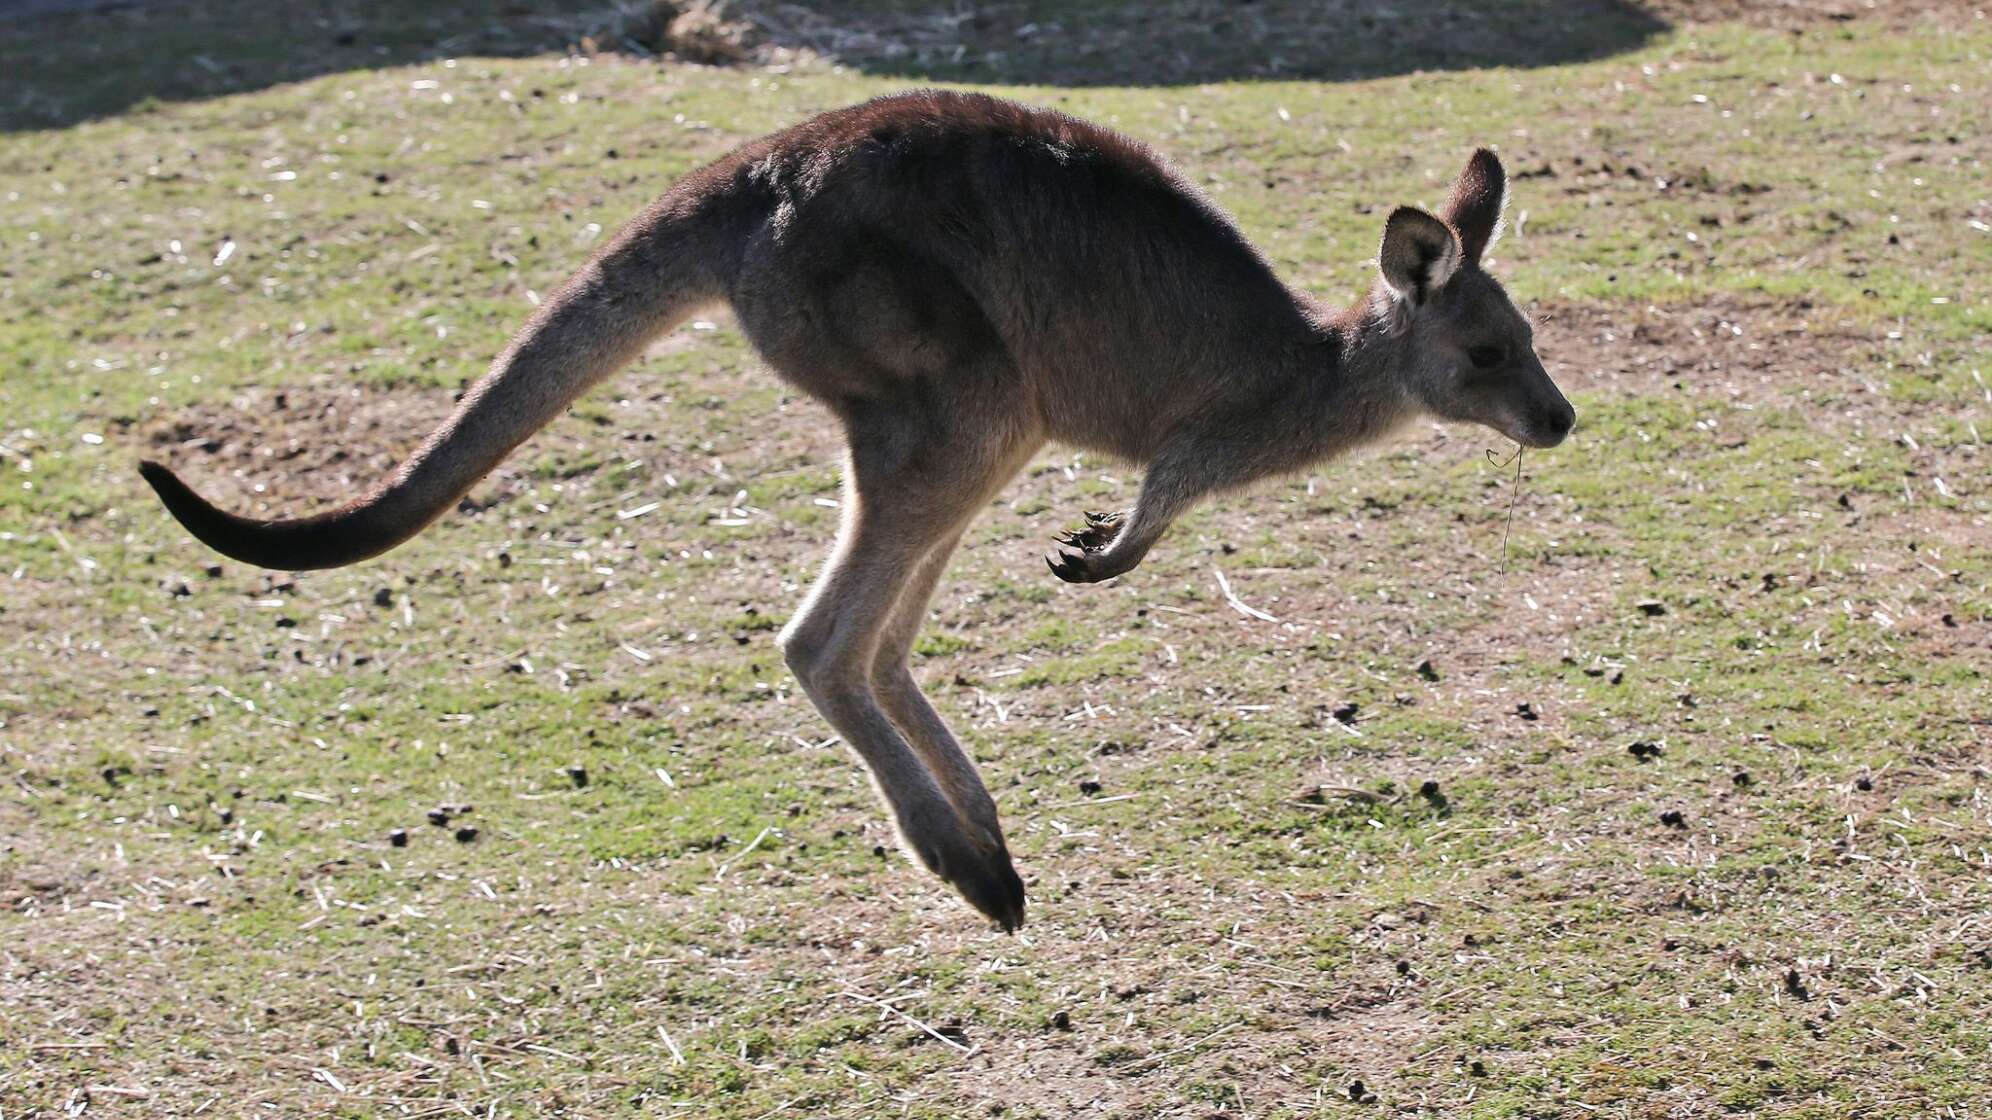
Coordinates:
863	315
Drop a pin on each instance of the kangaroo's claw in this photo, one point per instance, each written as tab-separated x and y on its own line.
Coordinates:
1100	531
1069	566
1078	558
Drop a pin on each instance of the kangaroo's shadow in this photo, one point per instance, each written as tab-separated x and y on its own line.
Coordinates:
74	60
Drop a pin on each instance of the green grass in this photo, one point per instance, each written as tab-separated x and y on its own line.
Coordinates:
1257	905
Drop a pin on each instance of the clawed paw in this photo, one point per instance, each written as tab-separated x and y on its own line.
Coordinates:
1100	531
1078	559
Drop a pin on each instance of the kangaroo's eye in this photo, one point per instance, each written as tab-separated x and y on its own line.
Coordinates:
1486	357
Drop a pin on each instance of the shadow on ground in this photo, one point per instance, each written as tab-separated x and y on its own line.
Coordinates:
76	60
1182	42
99	58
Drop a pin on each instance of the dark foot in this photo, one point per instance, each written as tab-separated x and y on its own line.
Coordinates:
1078	560
993	887
983	875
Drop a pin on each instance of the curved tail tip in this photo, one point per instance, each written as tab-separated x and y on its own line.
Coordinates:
156	473
328	540
176	494
188	508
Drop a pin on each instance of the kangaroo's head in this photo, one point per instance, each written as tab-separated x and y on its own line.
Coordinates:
1462	349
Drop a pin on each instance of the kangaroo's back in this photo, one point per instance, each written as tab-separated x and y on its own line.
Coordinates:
957	223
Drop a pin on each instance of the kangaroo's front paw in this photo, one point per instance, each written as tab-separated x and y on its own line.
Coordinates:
1081	555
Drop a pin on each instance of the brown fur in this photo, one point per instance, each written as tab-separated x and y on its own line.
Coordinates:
961	279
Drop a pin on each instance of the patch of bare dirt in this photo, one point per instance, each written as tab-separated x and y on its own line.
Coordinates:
294	448
1758	352
32	880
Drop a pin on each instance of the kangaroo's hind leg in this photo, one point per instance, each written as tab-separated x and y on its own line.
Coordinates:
915	477
892	675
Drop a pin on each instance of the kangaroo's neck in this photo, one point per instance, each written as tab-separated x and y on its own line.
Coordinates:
1355	392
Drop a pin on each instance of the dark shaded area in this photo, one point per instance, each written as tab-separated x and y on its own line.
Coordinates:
106	56
1183	42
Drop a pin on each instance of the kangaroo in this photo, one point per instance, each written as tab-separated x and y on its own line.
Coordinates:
959	280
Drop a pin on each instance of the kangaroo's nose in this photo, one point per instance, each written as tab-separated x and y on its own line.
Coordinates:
1552	423
1562	420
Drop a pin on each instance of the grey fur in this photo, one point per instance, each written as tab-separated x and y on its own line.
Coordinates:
960	280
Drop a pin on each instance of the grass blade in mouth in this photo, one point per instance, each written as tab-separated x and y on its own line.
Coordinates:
1514	495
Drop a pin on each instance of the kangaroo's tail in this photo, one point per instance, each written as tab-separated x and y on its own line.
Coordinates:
653	275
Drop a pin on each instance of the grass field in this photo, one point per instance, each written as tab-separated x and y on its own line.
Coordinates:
1682	808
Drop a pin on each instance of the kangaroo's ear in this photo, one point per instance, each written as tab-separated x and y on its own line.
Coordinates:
1420	253
1477	200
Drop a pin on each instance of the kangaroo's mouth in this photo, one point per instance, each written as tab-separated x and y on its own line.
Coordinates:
1542	430
1539	438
